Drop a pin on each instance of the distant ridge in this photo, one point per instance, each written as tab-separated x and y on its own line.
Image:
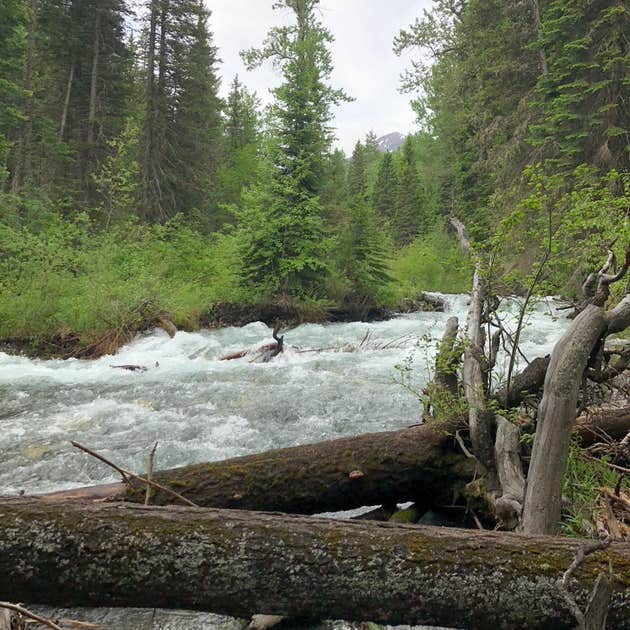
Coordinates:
390	142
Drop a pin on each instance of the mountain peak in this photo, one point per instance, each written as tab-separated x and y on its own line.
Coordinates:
390	142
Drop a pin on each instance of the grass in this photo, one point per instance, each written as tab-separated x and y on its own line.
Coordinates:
64	280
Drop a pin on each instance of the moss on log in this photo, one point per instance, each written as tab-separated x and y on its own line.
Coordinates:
237	562
417	464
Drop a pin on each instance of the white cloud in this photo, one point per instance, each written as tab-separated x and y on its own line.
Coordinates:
365	65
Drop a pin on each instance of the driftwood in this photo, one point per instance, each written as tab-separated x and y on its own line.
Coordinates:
419	464
235	562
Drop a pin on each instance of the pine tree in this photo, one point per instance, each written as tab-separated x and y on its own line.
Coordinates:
195	135
385	190
13	19
334	195
241	147
407	216
357	174
181	134
583	95
284	246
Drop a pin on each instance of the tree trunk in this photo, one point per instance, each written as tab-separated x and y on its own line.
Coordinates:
544	67
66	104
557	411
94	80
416	464
236	563
606	420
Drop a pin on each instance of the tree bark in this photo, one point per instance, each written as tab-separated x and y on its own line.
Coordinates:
417	464
447	360
94	79
66	104
234	562
557	411
526	383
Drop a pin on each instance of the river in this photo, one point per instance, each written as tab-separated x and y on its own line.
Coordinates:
200	408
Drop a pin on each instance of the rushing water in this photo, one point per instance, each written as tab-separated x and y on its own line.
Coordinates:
200	408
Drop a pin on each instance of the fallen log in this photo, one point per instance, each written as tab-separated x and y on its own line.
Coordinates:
597	423
316	478
236	563
420	464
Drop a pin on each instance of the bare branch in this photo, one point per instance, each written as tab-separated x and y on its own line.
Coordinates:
27	613
126	475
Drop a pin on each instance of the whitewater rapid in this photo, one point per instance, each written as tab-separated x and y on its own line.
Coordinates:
200	408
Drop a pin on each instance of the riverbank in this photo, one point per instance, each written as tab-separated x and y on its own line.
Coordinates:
144	319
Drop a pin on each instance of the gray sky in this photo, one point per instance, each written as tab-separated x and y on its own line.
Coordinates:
365	66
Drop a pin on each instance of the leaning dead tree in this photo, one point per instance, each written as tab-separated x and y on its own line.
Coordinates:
558	408
495	442
236	562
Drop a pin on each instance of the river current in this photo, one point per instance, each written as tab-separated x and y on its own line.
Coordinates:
332	380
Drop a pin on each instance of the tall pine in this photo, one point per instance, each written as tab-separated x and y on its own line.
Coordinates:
283	237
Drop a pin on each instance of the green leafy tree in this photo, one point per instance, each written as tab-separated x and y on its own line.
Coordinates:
284	246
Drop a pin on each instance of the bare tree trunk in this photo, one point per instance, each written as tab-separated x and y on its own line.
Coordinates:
479	418
419	463
94	79
23	155
544	67
557	412
66	104
236	563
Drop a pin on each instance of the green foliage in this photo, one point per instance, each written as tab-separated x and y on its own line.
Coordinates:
431	263
283	237
65	276
582	480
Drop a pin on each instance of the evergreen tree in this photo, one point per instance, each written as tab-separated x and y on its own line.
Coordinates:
181	135
241	118
241	143
363	259
385	190
194	136
334	195
583	94
13	18
407	222
284	246
357	175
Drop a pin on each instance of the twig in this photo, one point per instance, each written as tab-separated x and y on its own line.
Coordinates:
523	310
563	584
150	458
465	450
127	474
601	461
27	613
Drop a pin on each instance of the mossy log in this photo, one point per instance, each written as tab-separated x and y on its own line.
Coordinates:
235	562
420	464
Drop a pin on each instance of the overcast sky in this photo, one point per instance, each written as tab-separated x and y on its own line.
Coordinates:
365	65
